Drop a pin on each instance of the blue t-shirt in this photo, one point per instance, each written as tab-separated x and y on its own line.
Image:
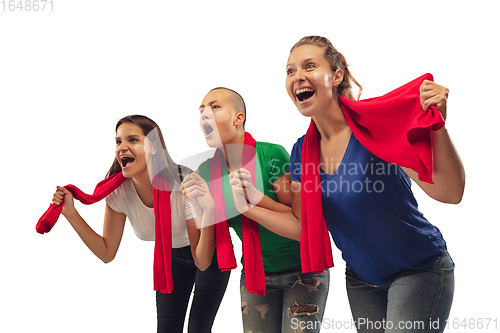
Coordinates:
372	215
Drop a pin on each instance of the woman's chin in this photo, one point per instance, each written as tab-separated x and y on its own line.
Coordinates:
307	112
129	172
126	174
214	143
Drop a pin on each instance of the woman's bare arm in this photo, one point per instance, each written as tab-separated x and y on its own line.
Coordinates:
448	170
105	246
280	221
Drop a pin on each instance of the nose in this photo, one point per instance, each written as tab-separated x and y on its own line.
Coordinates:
123	146
299	76
205	113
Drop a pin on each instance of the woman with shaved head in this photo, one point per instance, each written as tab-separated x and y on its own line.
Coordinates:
275	293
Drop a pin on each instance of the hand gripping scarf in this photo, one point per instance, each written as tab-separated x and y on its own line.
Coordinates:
252	255
394	128
163	229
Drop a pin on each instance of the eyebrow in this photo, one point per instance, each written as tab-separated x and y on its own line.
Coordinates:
209	103
128	137
305	60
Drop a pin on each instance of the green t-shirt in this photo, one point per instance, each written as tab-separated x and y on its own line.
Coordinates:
279	254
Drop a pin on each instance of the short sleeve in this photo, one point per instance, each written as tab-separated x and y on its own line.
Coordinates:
278	161
112	202
296	161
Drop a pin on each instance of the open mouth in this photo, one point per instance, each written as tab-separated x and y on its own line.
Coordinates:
126	161
207	129
304	94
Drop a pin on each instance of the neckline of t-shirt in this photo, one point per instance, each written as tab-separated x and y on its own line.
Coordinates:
137	195
341	166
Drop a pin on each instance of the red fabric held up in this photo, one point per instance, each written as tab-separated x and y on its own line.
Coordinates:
393	127
163	228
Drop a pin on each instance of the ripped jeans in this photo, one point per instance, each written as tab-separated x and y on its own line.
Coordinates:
294	302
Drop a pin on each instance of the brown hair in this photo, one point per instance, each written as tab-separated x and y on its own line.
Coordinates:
173	172
336	60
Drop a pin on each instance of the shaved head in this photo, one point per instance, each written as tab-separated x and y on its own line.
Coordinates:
236	101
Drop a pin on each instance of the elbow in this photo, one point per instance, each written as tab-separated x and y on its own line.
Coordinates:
202	266
457	198
202	263
458	194
450	198
107	259
450	192
453	197
453	201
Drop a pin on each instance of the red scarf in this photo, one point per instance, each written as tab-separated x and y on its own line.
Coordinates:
394	128
252	255
102	190
163	228
315	248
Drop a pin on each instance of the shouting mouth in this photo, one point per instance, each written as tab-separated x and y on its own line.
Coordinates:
207	129
304	94
126	161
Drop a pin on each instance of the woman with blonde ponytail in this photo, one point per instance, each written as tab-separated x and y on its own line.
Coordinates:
398	267
351	177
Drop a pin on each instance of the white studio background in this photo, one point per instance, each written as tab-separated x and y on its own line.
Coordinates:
67	76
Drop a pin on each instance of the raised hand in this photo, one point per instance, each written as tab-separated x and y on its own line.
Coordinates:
62	195
433	94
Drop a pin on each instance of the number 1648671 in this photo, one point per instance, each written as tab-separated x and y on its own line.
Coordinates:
27	5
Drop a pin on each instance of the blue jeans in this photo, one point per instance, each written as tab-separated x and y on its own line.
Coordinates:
416	301
293	301
209	288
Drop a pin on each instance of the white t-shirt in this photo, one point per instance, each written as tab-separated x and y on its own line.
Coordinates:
142	218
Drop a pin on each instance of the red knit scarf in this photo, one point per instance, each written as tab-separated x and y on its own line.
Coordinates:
394	128
252	255
163	228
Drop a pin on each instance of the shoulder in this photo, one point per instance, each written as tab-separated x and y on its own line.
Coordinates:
273	158
296	153
121	190
298	144
206	164
267	145
120	197
296	160
204	168
268	148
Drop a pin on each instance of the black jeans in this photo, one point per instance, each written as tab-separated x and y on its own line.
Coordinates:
210	286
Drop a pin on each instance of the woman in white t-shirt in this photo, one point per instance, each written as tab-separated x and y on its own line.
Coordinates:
141	153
